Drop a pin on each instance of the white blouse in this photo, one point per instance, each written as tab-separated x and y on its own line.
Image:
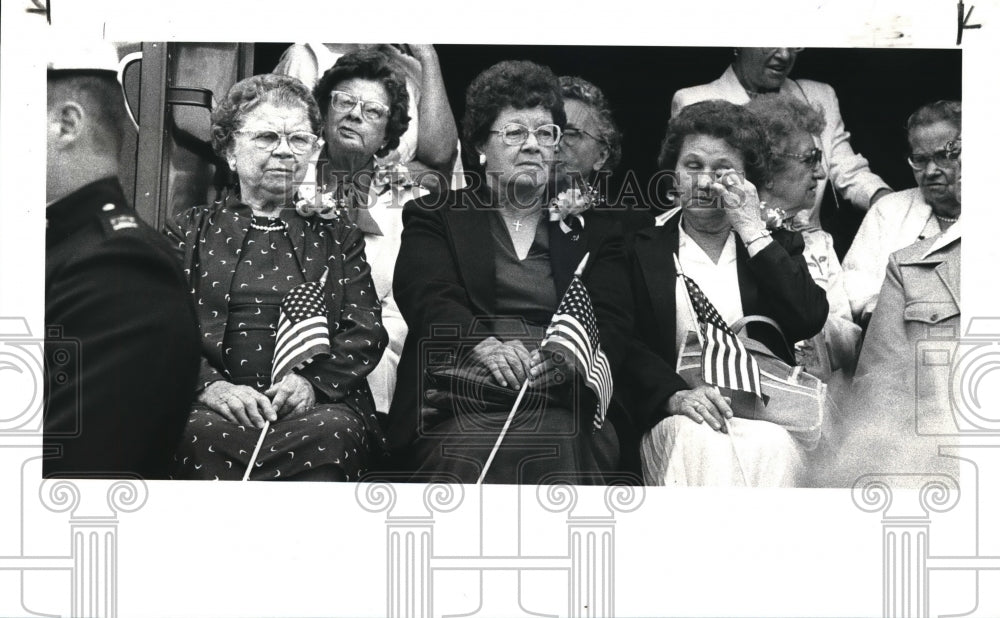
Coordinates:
718	281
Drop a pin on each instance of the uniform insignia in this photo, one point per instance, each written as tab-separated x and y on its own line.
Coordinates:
123	222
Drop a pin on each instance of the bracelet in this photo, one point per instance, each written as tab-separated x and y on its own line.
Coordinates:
764	234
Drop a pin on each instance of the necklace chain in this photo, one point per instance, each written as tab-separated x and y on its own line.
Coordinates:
946	219
277	227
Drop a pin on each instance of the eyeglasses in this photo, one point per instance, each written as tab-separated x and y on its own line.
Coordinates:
372	111
572	137
811	157
514	134
945	157
300	142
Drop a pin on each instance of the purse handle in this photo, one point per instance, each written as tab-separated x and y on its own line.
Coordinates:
740	324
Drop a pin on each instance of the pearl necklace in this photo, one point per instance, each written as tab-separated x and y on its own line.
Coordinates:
946	219
280	225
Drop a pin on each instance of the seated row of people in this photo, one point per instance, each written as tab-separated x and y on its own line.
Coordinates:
330	292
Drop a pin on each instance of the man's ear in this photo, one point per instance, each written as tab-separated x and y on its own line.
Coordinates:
69	120
601	160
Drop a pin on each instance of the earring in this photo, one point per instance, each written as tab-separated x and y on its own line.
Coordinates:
482	160
736	51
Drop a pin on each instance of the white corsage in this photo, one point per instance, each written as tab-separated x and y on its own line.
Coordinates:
774	218
394	175
312	201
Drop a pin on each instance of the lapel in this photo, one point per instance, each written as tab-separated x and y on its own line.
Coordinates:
654	251
469	230
730	88
565	253
748	289
946	271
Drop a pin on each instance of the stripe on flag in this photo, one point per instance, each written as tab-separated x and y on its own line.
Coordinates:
574	328
303	330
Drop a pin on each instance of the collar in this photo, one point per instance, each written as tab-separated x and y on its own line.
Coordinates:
70	212
944	239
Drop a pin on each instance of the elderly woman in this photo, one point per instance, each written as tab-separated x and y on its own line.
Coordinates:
430	143
935	135
789	192
479	275
718	154
243	257
759	70
591	145
363	100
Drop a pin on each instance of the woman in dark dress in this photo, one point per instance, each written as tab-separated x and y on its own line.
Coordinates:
242	257
479	275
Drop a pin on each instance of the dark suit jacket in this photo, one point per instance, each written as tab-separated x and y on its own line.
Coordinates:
775	283
445	276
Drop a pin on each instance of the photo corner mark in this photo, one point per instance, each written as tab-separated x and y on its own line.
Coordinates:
963	21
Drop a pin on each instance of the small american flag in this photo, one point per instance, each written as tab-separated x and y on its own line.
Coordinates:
574	327
303	333
724	360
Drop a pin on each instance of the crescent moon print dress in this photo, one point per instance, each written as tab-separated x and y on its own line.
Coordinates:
336	436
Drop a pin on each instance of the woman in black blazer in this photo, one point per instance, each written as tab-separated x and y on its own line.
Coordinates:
479	275
717	152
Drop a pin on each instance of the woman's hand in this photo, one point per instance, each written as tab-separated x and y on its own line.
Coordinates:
292	396
238	404
740	200
701	404
508	363
551	368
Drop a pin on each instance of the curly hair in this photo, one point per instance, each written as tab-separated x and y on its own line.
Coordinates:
938	111
782	116
247	94
519	84
581	90
376	66
731	123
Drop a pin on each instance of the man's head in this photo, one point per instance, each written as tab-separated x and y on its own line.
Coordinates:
86	120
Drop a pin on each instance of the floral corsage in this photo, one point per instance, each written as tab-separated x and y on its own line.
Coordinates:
570	204
774	218
324	204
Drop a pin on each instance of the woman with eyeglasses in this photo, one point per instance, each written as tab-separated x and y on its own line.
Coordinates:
289	317
718	155
795	171
480	273
934	132
760	70
363	100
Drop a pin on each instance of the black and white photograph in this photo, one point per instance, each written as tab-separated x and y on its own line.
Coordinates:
549	314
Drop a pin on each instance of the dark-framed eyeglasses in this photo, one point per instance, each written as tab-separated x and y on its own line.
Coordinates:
812	157
944	157
300	142
572	136
514	134
372	111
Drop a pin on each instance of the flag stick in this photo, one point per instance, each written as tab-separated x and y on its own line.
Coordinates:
503	432
256	450
701	340
520	396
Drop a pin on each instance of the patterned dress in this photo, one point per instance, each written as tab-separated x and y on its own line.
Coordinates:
240	267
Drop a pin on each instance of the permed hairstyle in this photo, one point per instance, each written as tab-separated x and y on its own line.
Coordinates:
938	111
247	94
519	84
781	117
373	65
586	92
731	123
